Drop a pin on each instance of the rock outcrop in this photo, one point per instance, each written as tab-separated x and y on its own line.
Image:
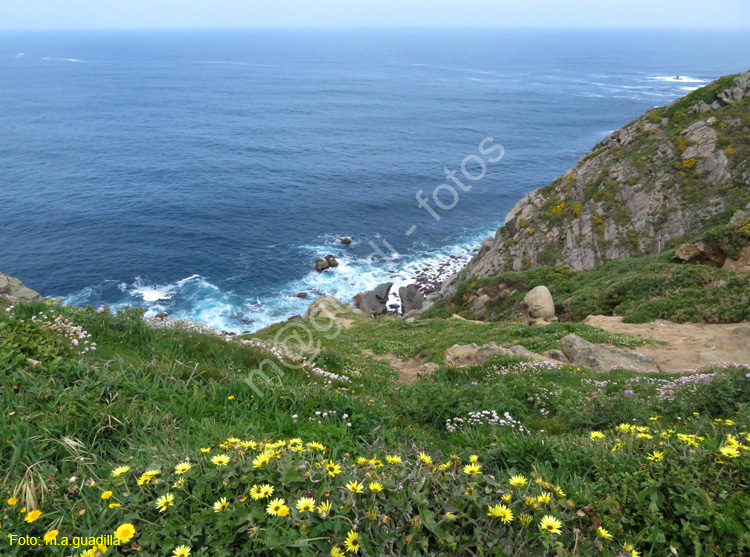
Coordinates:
699	253
14	288
461	355
580	352
411	297
639	191
327	306
375	301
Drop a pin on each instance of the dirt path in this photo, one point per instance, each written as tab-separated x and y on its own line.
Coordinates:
409	370
691	345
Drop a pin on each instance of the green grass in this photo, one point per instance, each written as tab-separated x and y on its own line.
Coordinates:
148	396
640	289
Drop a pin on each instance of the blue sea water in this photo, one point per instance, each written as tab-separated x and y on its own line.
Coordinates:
201	172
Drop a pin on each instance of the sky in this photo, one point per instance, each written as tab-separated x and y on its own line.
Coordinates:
102	14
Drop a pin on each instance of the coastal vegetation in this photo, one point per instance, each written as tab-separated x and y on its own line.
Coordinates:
113	427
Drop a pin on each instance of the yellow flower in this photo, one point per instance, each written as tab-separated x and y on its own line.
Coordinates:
51	536
376	486
220	460
261	460
179	484
656	456
119	471
352	542
12	501
306	505
544	498
324	509
525	519
266	490
518	481
243	498
205	450
530	501
32	516
645	436
729	452
450	516
230	397
596	435
474	459
355	486
275	507
507	497
332	468
393	459
181	551
221	505
182	467
164	502
550	524
500	511
472	468
125	532
336	552
361	461
284	511
106	495
114	505
469	491
316	445
425	458
604	533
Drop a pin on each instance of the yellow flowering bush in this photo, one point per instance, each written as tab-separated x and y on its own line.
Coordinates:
689	163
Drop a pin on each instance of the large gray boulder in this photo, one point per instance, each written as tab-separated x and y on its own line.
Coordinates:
582	353
375	301
411	298
13	287
538	306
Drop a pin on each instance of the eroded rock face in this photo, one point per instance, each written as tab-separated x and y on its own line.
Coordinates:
411	298
375	301
13	287
740	265
699	253
582	353
633	194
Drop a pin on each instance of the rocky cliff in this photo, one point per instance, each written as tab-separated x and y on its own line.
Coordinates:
673	175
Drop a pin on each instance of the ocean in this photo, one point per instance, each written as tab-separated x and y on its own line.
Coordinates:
200	173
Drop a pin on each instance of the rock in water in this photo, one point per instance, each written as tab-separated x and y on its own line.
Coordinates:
538	306
411	298
321	264
331	260
345	241
10	286
582	353
375	301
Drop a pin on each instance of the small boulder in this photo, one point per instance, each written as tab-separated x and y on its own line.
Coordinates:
331	260
471	354
521	352
302	295
327	306
375	301
13	287
558	355
538	306
583	353
411	298
321	264
345	241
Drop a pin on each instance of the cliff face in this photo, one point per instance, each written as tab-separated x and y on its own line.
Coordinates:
669	175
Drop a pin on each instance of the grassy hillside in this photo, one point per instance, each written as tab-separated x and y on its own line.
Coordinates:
640	289
663	468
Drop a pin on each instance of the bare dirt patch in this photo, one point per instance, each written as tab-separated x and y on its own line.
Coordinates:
691	346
